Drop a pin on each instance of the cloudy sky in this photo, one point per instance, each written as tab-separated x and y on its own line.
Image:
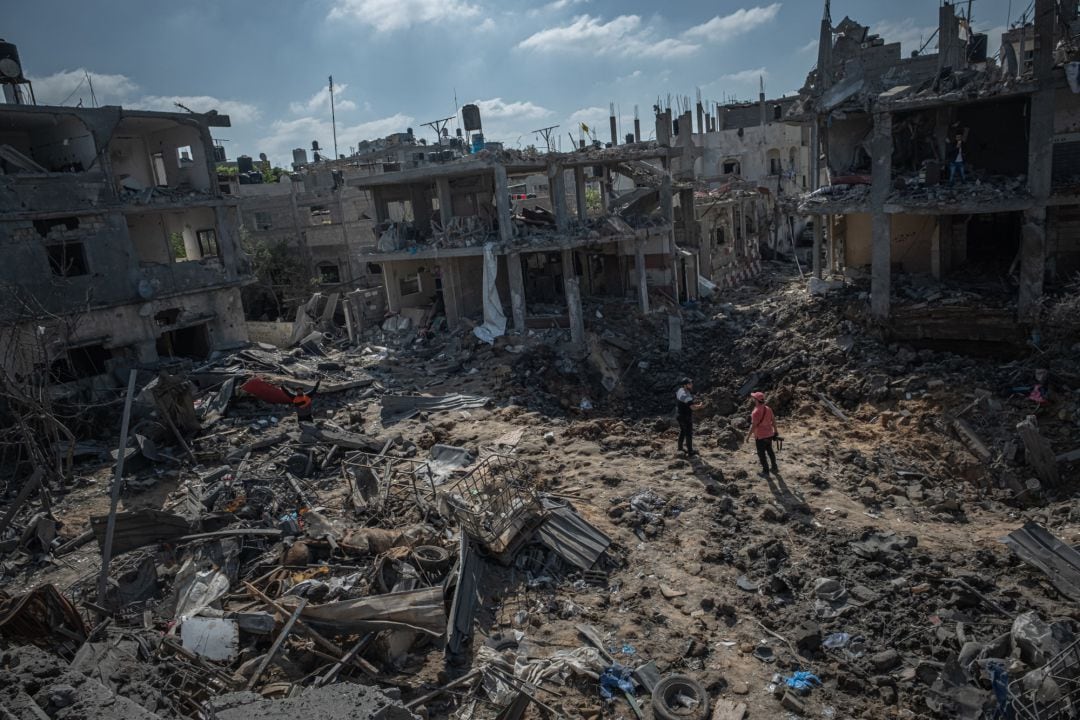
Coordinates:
399	63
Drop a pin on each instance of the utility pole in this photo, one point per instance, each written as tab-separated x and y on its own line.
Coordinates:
333	119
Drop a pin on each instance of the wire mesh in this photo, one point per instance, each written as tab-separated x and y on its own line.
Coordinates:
1050	693
492	497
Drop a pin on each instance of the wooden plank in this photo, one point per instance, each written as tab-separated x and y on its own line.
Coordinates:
114	498
277	644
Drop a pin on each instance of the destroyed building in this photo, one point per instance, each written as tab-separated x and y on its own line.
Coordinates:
120	247
896	204
452	240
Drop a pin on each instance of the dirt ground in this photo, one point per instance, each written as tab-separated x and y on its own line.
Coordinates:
711	562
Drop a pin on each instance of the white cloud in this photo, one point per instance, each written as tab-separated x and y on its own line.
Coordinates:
495	108
238	112
622	36
555	6
809	47
596	118
632	76
285	135
742	20
487	26
746	76
70	87
390	15
320	101
907	33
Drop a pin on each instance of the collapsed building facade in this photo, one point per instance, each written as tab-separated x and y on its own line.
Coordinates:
120	247
894	199
451	243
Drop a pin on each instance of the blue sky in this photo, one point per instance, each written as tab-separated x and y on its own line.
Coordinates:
397	63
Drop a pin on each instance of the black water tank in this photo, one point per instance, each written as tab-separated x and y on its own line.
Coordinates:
10	66
244	164
470	118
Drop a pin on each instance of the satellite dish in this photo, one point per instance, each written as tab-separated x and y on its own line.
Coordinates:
10	68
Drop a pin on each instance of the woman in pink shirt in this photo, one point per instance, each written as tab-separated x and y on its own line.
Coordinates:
763	430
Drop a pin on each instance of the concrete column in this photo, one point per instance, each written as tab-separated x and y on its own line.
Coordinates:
881	250
815	155
941	247
517	291
382	208
446	202
642	277
605	190
502	205
557	185
451	287
572	290
663	128
674	340
580	187
637	130
830	246
818	235
614	131
191	244
391	281
575	313
1040	156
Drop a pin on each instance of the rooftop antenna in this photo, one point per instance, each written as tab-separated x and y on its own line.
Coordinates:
438	125
546	134
333	118
90	82
182	106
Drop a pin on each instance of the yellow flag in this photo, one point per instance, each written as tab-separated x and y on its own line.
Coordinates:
584	127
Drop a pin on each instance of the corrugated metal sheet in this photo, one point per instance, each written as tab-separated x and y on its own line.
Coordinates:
571	536
1037	547
396	408
470	573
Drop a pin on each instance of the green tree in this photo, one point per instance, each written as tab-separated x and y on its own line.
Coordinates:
176	242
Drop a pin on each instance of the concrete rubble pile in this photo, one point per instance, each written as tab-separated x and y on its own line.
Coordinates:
457	531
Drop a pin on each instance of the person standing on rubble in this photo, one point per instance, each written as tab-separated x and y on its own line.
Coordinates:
302	402
763	430
956	156
686	404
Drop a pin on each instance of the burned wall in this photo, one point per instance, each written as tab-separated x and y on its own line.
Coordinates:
848	141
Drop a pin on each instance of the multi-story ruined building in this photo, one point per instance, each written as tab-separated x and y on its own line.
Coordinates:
118	246
324	222
451	243
746	162
903	196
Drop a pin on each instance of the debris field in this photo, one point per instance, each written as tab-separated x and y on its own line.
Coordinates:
464	530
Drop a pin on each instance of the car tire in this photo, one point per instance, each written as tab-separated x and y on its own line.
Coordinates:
664	705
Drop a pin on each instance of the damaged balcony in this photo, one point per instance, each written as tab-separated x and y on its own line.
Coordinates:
610	235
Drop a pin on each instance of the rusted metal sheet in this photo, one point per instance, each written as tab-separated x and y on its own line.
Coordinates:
42	617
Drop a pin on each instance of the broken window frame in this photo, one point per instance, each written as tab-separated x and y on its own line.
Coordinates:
335	276
72	260
207	239
409	281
